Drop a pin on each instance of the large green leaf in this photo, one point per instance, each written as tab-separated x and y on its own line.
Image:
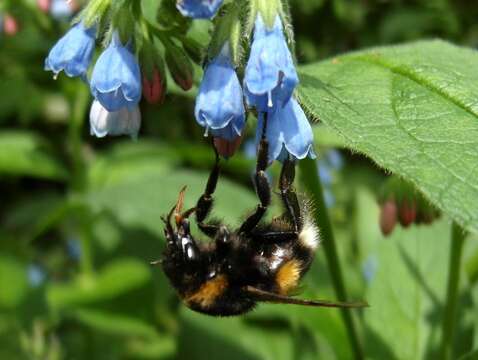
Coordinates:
413	109
407	278
26	154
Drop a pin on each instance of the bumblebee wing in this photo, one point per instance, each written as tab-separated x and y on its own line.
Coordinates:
261	295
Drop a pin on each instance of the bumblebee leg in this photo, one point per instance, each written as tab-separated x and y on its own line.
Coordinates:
288	195
205	202
261	184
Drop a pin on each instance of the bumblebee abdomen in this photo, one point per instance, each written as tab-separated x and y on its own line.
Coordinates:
218	297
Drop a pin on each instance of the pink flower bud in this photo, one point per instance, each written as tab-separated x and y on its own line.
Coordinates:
10	25
154	89
388	217
44	5
407	213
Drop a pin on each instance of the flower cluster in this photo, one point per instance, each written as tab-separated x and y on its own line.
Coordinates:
231	87
268	86
400	203
115	81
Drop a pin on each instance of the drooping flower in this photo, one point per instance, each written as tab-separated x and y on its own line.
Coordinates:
288	132
219	105
123	122
116	78
270	74
199	9
73	52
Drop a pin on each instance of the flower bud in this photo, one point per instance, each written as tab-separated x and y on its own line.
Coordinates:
407	212
154	74
10	25
154	88
388	217
180	66
44	5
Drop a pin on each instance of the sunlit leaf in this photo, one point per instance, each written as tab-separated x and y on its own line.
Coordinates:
413	109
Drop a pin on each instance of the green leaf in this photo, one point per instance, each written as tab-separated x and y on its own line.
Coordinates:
407	274
150	10
115	279
13	282
26	154
116	324
413	109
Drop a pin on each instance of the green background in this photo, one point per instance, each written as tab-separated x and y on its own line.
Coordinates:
80	216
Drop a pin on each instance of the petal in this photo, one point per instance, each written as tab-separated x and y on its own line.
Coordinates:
219	101
73	52
122	122
116	78
113	101
298	135
199	9
270	65
288	132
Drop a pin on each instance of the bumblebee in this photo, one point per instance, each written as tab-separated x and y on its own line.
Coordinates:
240	267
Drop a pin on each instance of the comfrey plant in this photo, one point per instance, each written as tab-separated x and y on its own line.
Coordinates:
137	53
269	80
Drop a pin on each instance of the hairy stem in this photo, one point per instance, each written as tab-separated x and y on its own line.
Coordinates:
449	320
311	182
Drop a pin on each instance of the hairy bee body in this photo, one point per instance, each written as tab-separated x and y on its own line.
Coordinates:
233	263
255	263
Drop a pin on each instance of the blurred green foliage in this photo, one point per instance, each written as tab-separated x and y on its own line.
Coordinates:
80	217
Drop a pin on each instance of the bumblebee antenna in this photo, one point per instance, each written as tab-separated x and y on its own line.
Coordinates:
266	296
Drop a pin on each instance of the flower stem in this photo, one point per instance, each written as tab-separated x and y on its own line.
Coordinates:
449	320
311	182
78	173
80	106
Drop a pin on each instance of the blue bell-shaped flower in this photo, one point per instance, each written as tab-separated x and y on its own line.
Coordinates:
73	52
288	132
219	104
122	122
270	75
116	78
199	9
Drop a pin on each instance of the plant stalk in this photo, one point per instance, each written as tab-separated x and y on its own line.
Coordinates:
78	173
449	320
310	179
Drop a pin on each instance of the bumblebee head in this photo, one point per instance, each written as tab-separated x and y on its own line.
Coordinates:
182	260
